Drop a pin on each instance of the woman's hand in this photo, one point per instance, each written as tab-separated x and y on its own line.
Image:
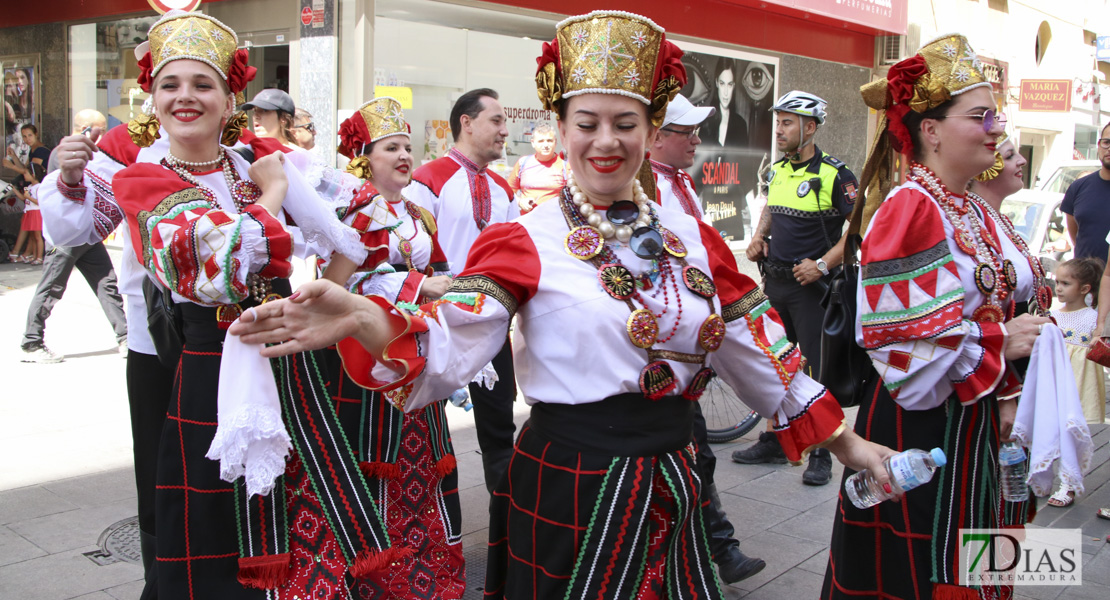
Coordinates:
1007	412
435	287
268	173
858	454
74	153
1021	333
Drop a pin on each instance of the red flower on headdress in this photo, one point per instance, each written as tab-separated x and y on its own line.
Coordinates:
903	75
549	81
670	64
353	134
239	73
144	72
549	54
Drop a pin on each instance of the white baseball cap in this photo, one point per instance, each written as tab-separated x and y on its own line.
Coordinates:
681	112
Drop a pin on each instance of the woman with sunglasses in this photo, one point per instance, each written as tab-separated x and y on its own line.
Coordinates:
936	314
304	131
624	309
407	457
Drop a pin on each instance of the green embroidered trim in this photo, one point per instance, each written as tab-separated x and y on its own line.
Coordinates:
593	521
927	307
937	264
779	345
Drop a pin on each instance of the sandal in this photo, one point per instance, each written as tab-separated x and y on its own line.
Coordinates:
1062	498
37	261
1103	513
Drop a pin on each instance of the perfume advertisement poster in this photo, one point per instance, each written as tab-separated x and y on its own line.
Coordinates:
735	140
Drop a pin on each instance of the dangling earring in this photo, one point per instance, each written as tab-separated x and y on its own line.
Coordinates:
936	149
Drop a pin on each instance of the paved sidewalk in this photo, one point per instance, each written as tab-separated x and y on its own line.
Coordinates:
67	477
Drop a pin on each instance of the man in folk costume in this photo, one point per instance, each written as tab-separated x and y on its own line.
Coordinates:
465	197
810	195
671	153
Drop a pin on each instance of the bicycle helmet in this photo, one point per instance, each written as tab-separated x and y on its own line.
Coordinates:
802	103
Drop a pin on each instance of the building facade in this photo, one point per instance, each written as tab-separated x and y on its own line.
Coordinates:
332	55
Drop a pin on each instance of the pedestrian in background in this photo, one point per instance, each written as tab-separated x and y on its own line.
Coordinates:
304	130
797	242
94	264
538	178
1085	204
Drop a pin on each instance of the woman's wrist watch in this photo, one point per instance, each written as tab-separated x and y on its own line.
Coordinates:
822	266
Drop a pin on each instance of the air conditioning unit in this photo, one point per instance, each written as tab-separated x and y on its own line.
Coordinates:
890	49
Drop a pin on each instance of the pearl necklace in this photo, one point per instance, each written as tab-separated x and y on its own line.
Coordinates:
244	193
194	165
607	230
990	274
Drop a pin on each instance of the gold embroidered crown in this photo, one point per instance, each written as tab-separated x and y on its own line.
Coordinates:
953	64
610	52
195	36
383	118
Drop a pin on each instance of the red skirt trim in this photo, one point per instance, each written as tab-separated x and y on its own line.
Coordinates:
32	221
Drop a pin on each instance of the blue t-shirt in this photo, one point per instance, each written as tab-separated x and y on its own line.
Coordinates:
1088	200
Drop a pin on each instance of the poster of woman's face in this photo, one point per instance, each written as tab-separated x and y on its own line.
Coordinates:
735	138
20	100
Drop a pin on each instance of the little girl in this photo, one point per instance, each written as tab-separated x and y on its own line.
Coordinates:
1074	280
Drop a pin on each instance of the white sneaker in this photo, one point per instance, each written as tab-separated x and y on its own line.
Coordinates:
42	355
123	349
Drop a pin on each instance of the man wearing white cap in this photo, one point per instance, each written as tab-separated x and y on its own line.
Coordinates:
673	151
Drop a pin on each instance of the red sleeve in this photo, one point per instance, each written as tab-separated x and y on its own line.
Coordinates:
116	144
505	254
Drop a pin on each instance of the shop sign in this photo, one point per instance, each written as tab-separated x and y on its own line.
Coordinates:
165	6
1102	48
995	71
885	15
401	94
1045	95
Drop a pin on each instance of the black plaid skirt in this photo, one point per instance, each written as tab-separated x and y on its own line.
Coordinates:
573	516
198	546
908	549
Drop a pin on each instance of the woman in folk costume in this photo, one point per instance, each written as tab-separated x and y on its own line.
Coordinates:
936	306
406	456
211	228
624	309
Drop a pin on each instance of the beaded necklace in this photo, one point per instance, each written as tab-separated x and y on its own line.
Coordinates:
975	239
244	193
1042	296
404	245
586	242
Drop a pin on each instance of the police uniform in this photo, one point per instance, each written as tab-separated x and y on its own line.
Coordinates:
808	203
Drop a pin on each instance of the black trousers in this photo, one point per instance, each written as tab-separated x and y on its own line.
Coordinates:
799	307
95	265
149	386
493	417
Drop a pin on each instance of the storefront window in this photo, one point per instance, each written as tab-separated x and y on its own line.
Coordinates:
103	70
1086	142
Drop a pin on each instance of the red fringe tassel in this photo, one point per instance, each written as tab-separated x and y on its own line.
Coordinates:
368	562
947	591
445	465
380	470
264	572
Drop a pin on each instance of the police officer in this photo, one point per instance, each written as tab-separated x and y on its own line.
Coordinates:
798	240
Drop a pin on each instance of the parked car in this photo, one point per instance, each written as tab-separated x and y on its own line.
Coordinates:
1037	216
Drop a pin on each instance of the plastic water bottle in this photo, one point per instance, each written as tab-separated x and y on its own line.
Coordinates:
907	470
1011	466
461	399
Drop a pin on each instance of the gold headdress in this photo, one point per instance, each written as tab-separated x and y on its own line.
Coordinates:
191	35
377	119
194	36
945	67
610	52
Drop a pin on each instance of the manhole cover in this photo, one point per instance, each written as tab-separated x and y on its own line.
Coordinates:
475	557
118	543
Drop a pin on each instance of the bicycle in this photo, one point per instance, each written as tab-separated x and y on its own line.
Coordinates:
727	418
